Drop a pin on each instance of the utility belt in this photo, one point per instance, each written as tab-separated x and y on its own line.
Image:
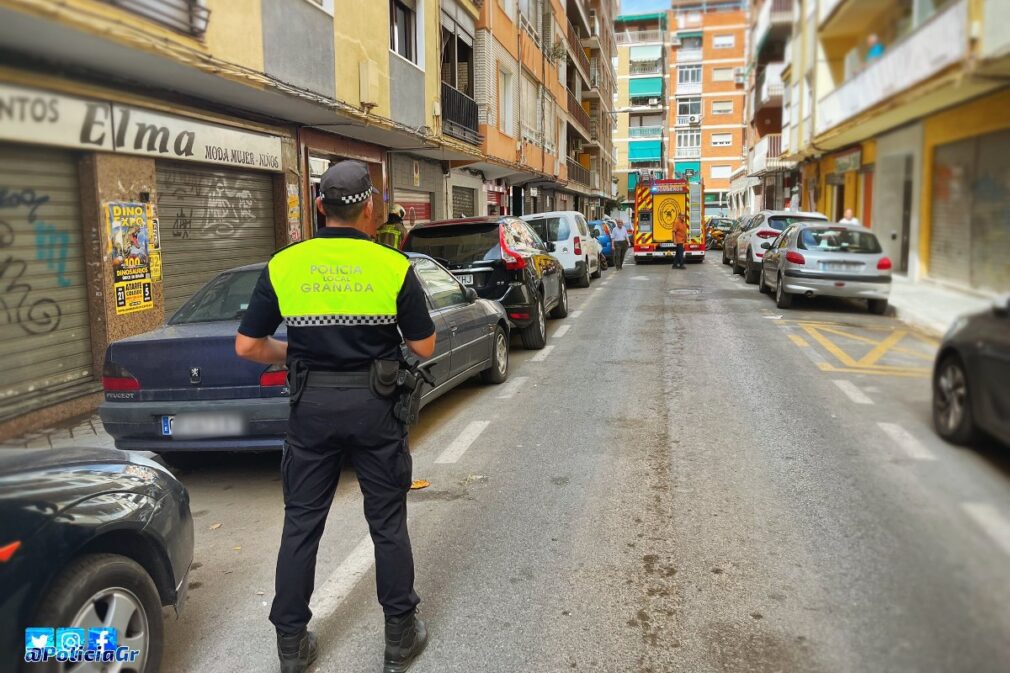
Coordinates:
389	379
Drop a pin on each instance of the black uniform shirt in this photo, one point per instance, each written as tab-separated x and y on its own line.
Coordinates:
341	347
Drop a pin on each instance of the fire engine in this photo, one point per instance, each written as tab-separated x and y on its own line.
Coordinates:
658	204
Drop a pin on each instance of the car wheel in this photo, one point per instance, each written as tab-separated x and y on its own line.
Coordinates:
499	369
583	280
878	306
952	416
561	310
725	259
762	282
782	298
750	275
534	335
599	269
108	590
737	266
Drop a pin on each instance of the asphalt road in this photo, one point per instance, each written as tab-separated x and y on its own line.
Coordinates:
687	480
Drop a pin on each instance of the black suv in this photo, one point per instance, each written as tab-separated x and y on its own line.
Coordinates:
502	259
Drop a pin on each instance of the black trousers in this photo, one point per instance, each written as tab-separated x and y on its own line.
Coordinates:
620	249
678	259
325	427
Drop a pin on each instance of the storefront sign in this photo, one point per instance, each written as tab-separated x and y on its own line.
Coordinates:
35	116
129	243
850	161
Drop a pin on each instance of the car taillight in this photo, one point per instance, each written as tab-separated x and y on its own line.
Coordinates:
884	264
275	376
519	315
578	245
116	379
513	260
7	551
767	233
795	257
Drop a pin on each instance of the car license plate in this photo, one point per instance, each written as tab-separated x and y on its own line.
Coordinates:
668	254
465	278
203	424
841	266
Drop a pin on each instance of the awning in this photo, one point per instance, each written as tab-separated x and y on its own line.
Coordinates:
648	86
645	150
689	33
649	52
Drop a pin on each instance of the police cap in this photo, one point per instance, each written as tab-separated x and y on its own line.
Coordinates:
346	183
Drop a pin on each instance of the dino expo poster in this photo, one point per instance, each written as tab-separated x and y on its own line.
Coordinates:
132	235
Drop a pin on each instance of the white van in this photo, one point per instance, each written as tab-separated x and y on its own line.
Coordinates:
574	245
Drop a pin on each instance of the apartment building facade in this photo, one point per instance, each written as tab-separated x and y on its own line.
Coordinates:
681	97
197	131
897	110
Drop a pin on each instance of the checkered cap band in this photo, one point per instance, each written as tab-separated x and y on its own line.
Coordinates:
357	198
331	320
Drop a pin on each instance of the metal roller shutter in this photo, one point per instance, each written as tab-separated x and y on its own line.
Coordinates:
211	220
45	333
950	247
417	206
990	227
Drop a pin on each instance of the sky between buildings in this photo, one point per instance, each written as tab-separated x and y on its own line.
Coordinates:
639	6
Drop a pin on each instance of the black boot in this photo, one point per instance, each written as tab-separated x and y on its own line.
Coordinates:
296	652
406	637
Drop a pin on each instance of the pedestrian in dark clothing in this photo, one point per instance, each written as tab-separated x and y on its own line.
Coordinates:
619	237
680	239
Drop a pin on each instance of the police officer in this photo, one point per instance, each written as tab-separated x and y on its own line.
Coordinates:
392	232
346	302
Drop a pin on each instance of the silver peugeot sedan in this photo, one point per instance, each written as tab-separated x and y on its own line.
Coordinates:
834	260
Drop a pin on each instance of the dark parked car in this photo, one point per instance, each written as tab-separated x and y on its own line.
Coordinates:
729	240
90	538
971	377
182	387
503	259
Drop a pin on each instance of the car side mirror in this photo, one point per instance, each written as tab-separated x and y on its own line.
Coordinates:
551	247
766	246
1001	307
471	295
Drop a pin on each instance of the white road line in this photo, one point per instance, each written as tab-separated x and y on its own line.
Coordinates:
339	585
511	388
854	393
542	355
991	521
575	314
462	442
561	331
909	444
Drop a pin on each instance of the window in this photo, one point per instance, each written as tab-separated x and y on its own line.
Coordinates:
506	103
721	171
838	240
723	41
722	107
722	74
443	289
688	106
550	123
722	139
551	228
224	298
690	42
691	138
530	108
401	30
689	74
457	56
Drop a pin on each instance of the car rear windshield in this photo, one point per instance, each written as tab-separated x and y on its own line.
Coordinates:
827	239
457	243
224	298
551	228
780	222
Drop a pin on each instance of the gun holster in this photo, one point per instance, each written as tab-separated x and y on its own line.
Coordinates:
298	376
383	377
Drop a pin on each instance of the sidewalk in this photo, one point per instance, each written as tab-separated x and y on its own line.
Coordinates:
86	431
932	307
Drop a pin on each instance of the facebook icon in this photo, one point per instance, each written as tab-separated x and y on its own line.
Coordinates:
102	639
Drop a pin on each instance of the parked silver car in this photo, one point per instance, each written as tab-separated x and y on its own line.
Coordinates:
835	260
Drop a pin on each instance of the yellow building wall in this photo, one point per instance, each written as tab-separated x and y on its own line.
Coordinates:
432	57
975	118
229	30
361	35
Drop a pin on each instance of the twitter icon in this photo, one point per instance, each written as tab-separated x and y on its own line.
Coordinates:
38	639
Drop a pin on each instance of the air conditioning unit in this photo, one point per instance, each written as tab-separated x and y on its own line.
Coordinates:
653	101
675	41
694	120
739	75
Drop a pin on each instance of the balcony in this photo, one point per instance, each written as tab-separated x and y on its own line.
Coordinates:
688	120
645	67
688	88
639	36
186	16
645	132
578	114
577	172
769	88
688	55
575	47
774	22
594	180
459	115
764	157
687	153
600	83
937	44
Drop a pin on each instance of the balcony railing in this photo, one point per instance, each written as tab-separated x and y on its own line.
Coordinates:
688	120
769	86
577	172
687	153
594	180
186	16
577	112
773	13
599	77
575	46
688	55
935	45
645	67
688	88
764	156
645	132
638	36
459	115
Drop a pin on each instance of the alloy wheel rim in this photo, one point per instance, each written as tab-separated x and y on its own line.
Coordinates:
117	608
951	398
542	320
502	353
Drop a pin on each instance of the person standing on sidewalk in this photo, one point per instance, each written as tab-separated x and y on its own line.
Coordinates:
850	218
619	237
680	240
346	302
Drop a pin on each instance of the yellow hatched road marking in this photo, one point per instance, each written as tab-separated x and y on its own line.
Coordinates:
878	351
830	346
799	341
